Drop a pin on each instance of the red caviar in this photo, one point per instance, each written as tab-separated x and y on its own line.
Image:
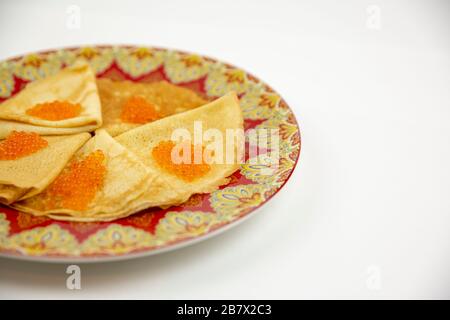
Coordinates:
55	110
138	110
162	153
76	187
19	144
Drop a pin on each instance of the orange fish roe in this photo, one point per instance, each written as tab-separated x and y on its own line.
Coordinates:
77	186
138	110
19	144
186	171
55	110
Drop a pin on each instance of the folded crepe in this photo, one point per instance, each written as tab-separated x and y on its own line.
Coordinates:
127	105
110	178
153	145
98	184
64	103
40	162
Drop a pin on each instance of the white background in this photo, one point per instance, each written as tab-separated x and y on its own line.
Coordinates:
366	213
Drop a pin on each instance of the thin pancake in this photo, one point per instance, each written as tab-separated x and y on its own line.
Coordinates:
124	180
26	176
75	85
168	99
221	114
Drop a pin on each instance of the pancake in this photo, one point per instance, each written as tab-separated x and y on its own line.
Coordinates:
148	140
64	103
98	184
166	99
167	189
24	175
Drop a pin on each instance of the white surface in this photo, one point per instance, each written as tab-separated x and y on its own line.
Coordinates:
370	196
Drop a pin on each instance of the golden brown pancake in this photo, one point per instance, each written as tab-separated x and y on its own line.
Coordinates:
220	115
167	99
24	176
109	178
99	183
64	103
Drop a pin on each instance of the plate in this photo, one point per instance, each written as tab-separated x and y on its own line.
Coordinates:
154	230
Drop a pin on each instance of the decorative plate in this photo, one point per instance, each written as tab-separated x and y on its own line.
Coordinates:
154	230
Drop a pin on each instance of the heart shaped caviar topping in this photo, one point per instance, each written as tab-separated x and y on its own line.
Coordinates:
138	110
77	186
162	153
55	110
19	144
